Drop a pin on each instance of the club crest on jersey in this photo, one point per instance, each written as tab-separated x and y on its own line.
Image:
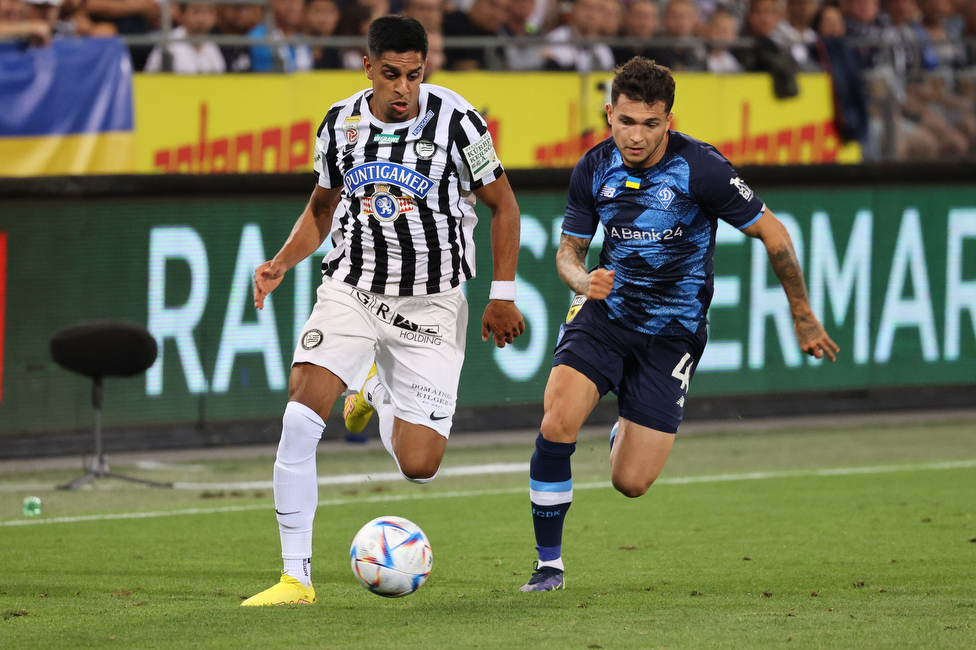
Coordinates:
424	149
384	206
665	196
420	127
744	189
311	339
350	129
386	172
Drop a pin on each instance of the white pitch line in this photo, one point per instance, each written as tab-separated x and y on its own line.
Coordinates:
466	470
341	479
347	479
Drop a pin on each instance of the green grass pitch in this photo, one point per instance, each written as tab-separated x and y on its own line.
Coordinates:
765	552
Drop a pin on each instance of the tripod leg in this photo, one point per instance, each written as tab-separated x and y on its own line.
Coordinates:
79	482
138	480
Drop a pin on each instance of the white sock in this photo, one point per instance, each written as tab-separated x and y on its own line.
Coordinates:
300	570
556	564
296	491
380	400
369	389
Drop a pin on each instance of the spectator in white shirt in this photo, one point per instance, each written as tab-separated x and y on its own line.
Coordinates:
794	32
723	28
191	58
586	21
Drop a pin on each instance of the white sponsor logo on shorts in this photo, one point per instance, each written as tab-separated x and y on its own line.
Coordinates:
311	339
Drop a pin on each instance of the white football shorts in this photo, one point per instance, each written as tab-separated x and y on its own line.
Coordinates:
417	343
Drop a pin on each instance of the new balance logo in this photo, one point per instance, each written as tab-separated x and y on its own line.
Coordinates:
608	192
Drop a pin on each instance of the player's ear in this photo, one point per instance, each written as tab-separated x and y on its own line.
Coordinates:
670	119
369	67
609	113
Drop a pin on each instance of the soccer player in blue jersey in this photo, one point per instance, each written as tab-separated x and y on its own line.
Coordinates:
658	195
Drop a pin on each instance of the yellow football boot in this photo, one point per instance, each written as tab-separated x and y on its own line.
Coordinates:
288	591
357	410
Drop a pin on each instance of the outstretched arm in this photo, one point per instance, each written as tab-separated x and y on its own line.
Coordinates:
810	333
571	266
502	318
306	236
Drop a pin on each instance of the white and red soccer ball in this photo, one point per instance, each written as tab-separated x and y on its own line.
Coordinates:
391	556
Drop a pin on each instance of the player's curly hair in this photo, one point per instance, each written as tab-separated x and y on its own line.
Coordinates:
396	33
642	80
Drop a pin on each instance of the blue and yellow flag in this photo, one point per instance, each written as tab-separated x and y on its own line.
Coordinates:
67	109
633	183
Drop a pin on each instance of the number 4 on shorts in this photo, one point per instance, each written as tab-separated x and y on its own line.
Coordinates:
682	371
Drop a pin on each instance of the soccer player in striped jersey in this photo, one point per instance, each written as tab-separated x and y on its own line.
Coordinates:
398	167
637	326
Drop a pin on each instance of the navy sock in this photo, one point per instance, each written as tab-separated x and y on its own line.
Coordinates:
551	494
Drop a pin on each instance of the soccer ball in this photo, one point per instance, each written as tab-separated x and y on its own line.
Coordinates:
391	556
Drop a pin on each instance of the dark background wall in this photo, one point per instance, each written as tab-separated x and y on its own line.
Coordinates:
889	254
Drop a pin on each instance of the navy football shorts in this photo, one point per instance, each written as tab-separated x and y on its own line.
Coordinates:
650	374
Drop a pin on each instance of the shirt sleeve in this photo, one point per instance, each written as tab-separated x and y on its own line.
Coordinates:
581	217
719	190
326	157
474	152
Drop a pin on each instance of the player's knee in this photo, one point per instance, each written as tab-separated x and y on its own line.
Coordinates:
632	487
557	429
418	470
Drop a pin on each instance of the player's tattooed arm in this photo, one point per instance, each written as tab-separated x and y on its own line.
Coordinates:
571	266
810	334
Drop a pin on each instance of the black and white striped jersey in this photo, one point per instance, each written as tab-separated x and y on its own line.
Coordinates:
405	220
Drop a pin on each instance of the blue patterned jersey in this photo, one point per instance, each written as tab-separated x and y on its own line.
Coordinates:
659	225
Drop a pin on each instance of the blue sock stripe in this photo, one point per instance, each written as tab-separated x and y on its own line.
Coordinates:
549	553
545	486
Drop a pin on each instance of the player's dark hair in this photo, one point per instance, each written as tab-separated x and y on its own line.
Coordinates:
642	80
396	33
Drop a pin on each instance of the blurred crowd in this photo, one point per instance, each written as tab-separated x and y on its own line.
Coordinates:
902	66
